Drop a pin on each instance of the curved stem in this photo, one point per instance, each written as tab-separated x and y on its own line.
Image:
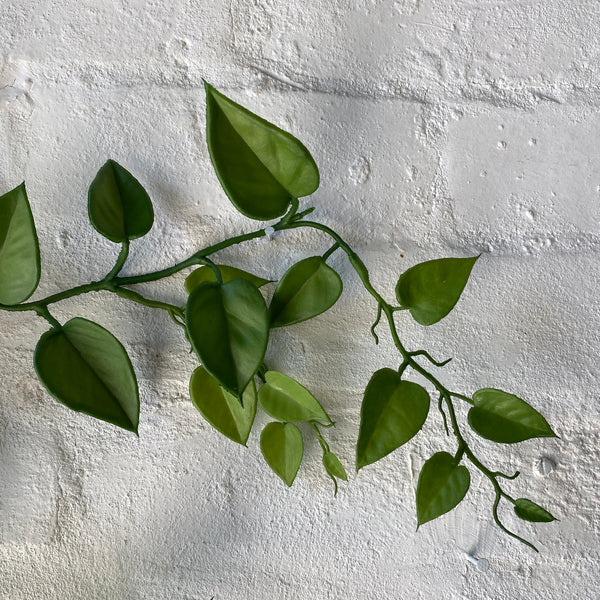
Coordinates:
121	259
135	297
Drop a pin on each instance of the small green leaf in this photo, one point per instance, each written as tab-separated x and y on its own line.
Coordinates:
221	409
283	398
283	448
530	511
19	249
333	466
506	419
228	326
431	289
203	274
260	167
306	290
393	411
86	368
442	485
118	206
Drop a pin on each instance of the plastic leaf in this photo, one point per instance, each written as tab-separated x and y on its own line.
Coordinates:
283	448
118	206
19	249
393	411
334	467
504	418
306	290
260	166
85	367
431	289
530	511
203	274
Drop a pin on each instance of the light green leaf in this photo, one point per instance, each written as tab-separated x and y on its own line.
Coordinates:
306	290
431	289
442	485
203	274
283	398
530	511
506	419
19	249
228	326
393	411
86	368
221	409
333	466
118	206
283	448
260	166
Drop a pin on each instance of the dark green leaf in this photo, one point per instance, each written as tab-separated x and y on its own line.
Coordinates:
442	485
504	418
259	166
283	398
203	274
393	411
307	289
283	447
228	326
530	511
19	249
221	409
431	289
86	368
118	205
333	466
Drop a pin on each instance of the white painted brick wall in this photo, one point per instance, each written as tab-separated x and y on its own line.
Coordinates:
440	128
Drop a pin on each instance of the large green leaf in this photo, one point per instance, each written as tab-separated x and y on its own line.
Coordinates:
504	418
203	274
393	411
221	409
530	511
118	205
283	398
19	249
442	485
260	166
85	367
283	448
307	289
228	326
431	289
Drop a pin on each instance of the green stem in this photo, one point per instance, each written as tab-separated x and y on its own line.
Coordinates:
331	250
135	297
121	259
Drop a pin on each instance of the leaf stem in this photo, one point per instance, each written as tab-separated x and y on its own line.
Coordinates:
121	259
331	250
136	297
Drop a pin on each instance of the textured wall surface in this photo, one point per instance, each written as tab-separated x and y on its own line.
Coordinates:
441	128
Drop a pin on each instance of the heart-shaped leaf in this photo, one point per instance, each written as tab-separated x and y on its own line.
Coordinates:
221	409
260	166
506	419
85	367
228	326
431	289
530	511
442	485
283	398
393	411
283	448
203	274
306	290
118	206
19	249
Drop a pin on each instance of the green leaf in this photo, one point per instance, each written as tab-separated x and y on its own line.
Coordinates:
504	418
283	447
333	466
19	249
530	511
86	368
118	206
306	290
393	411
260	167
442	485
431	289
283	398
228	326
221	409
203	274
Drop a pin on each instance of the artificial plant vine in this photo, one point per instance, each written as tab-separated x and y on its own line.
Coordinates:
263	171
